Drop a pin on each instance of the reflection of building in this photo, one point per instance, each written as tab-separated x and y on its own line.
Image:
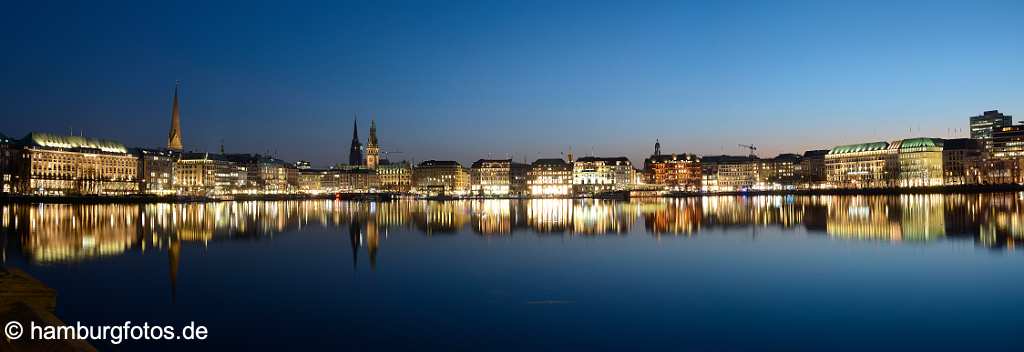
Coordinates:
396	177
862	217
434	177
592	175
156	171
891	218
51	233
52	164
65	232
441	217
493	216
549	215
594	217
204	173
674	215
550	178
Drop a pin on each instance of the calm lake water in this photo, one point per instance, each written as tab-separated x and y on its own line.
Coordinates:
917	272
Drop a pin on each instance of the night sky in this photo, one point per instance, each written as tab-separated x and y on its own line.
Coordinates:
465	80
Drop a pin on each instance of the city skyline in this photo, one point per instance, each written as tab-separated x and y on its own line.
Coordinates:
358	151
523	79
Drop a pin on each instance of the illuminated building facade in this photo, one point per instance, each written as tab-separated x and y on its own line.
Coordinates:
983	126
264	174
51	164
1006	155
395	177
914	162
331	181
311	181
550	178
490	177
156	171
962	161
592	175
729	173
498	178
920	162
440	177
353	180
206	173
779	173
865	165
674	172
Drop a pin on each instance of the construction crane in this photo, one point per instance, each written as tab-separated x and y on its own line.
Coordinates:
749	147
387	153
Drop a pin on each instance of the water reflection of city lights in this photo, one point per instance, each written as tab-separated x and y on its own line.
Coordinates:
64	233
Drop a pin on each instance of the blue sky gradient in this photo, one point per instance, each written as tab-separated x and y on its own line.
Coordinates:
464	80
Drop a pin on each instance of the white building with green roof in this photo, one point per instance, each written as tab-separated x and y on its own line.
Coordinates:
914	162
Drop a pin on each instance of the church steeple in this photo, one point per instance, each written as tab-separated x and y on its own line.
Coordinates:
372	149
355	153
657	147
373	133
174	137
355	128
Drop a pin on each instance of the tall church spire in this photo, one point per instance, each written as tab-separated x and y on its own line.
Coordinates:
372	149
174	137
373	133
355	128
355	152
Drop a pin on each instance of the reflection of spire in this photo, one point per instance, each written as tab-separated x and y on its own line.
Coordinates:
372	242
174	253
353	236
